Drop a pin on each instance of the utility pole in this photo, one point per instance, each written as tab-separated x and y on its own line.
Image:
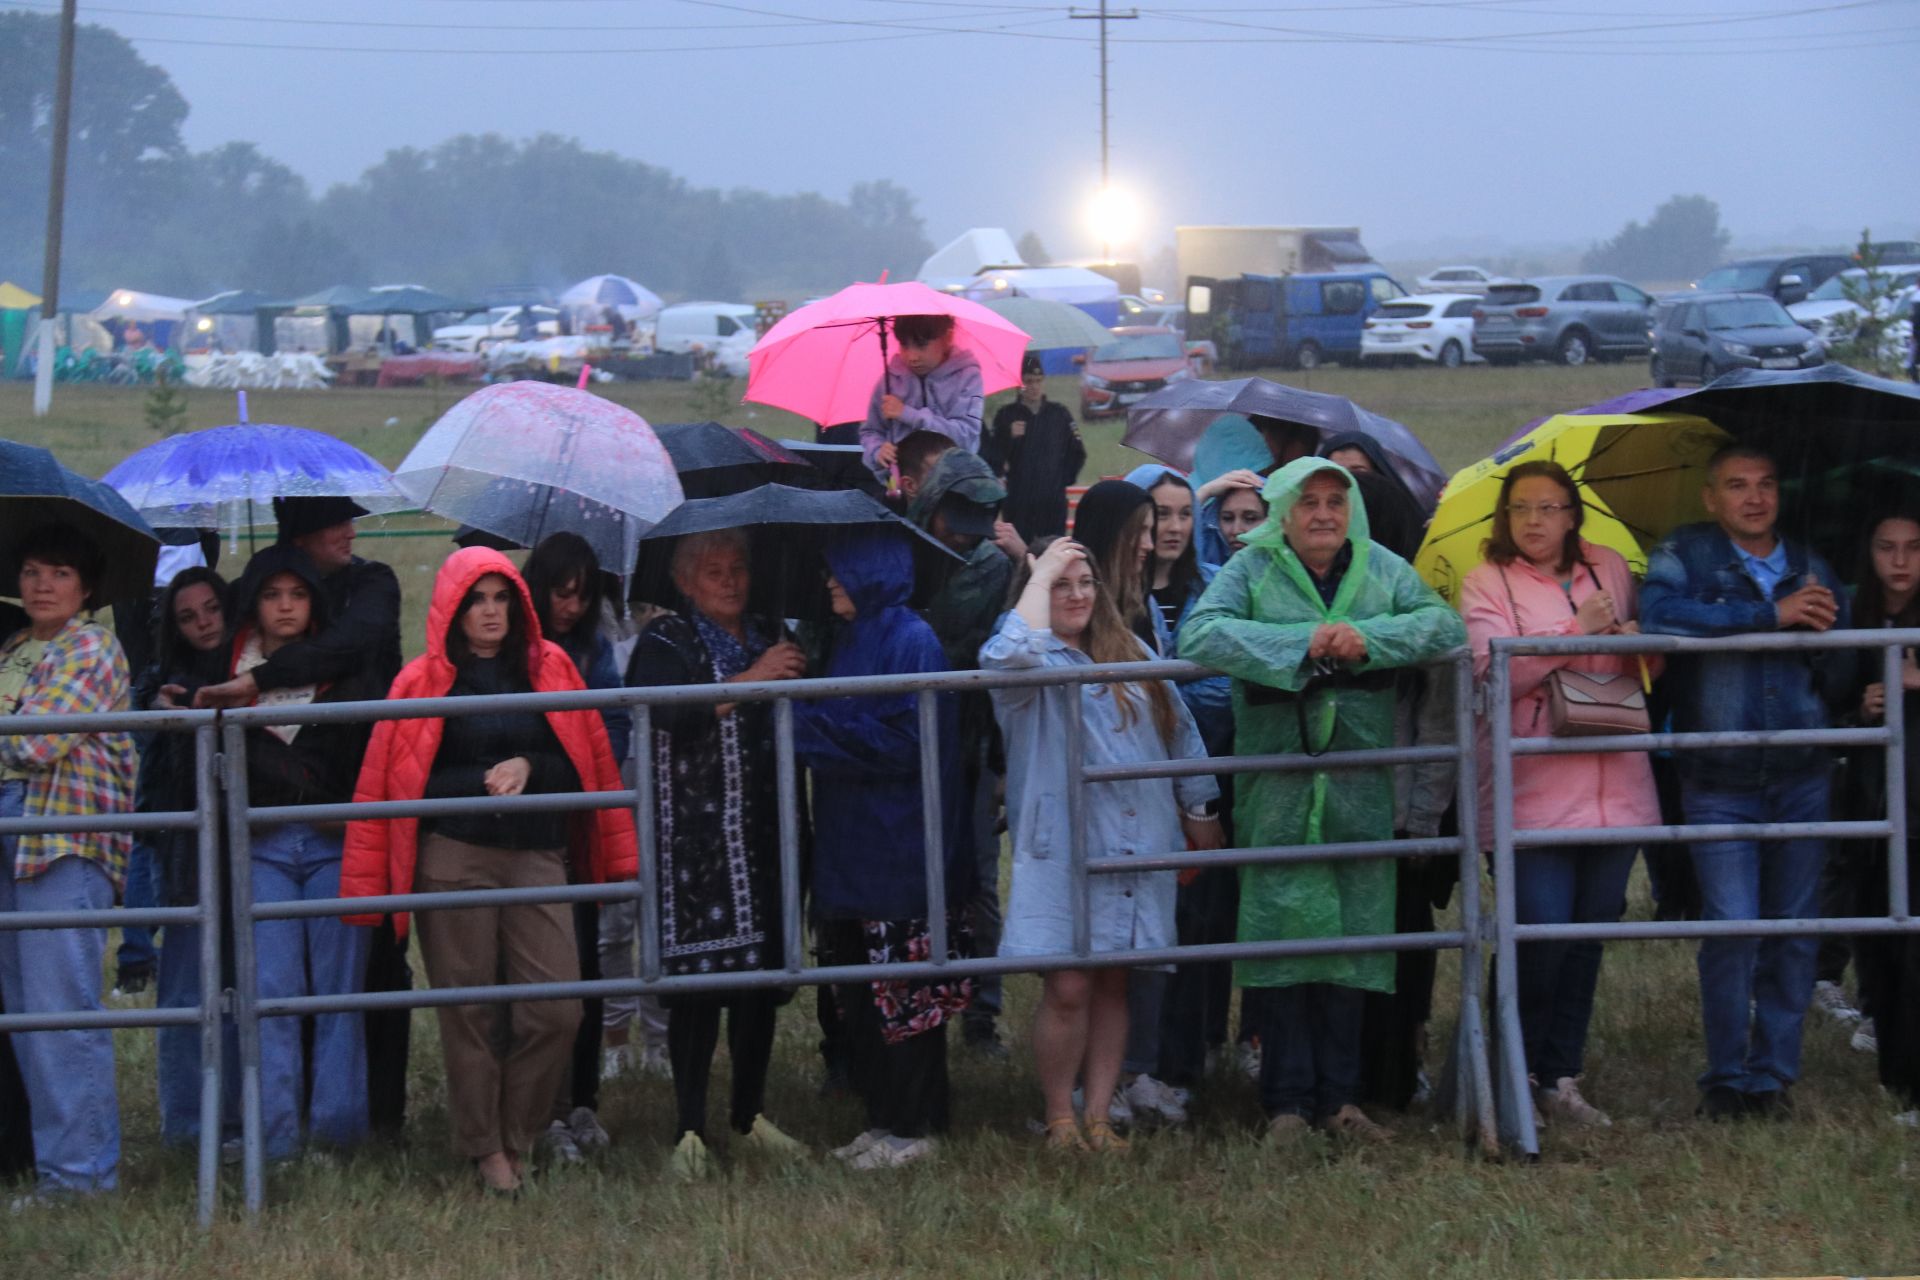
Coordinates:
1103	16
56	205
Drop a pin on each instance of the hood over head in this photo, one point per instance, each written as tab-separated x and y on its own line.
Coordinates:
1103	510
1149	474
961	475
875	568
1282	492
450	586
1231	443
281	557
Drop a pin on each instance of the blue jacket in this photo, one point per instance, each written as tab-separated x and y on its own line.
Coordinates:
1697	586
869	859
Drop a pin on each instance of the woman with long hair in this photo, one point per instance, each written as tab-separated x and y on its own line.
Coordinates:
1064	616
1114	523
1540	577
483	640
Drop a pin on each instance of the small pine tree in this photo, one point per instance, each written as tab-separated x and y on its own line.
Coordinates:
166	408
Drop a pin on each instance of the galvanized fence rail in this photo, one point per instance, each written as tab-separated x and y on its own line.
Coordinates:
1517	1127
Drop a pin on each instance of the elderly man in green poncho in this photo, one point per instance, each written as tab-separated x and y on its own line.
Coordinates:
1312	619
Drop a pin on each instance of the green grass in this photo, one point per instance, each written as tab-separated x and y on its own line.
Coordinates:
1834	1191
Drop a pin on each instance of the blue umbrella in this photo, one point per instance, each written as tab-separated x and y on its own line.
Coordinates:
36	489
212	479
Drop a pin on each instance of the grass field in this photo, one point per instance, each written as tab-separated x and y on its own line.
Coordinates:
1836	1190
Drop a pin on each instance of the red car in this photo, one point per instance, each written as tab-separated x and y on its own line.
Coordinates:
1137	362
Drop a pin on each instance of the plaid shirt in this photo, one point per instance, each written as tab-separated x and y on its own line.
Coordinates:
69	774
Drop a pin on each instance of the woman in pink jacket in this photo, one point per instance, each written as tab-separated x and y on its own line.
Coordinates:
1540	578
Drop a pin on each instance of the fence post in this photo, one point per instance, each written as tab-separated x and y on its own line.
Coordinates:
789	785
1899	903
1475	1084
647	911
932	825
206	812
245	971
1077	820
1516	1103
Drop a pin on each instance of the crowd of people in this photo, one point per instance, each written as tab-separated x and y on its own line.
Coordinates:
1284	568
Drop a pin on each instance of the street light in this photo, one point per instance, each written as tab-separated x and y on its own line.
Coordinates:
1114	218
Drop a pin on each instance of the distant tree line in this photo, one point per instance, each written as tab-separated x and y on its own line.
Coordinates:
1683	239
145	212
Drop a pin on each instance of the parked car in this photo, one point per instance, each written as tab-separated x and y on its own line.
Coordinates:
1833	315
496	324
1701	336
1140	360
723	331
1473	280
1426	326
1790	278
1300	320
1136	311
1567	319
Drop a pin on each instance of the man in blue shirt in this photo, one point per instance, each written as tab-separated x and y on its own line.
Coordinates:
1729	577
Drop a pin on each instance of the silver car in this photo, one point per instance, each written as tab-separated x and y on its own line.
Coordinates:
1566	319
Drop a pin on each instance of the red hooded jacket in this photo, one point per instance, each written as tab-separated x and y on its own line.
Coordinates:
380	852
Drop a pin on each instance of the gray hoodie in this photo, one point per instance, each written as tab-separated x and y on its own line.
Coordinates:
948	401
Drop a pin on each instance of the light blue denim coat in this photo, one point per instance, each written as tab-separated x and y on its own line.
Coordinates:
1125	912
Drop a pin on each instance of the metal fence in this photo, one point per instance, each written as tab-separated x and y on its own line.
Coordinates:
1490	1105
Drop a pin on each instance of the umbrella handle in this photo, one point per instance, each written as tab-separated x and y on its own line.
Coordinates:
586	371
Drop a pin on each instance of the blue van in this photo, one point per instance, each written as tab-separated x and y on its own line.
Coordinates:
1299	321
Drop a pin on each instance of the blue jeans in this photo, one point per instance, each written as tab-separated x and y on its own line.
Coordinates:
69	1074
1557	979
318	956
136	941
1754	991
177	986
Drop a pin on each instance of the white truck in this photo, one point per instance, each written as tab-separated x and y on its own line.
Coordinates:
1223	253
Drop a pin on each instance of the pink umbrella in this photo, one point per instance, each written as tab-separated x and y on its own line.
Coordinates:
823	361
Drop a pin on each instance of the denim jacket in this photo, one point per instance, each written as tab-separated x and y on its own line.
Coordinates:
1697	586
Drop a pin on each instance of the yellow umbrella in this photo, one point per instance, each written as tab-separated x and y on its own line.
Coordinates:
1640	475
14	298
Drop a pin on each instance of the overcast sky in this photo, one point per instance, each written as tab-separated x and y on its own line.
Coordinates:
1434	126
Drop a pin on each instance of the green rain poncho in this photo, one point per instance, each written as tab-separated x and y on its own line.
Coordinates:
1255	623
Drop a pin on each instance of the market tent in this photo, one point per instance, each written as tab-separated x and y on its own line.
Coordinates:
236	320
412	300
16	318
1090	291
14	298
157	314
967	254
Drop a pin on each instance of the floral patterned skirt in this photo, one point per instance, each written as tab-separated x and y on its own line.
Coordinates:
908	1007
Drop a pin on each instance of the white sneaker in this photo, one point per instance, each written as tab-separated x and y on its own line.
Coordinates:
1864	1040
1153	1099
655	1062
1830	998
859	1144
558	1144
1908	1119
891	1153
588	1133
1119	1111
1247	1056
615	1062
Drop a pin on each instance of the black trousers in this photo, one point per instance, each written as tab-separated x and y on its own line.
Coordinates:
1194	1014
1846	887
1889	969
389	1033
905	1086
584	1082
1310	1049
1391	1024
693	1033
16	1124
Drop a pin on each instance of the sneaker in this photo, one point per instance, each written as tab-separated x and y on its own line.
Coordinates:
982	1041
1119	1111
690	1162
1830	998
1353	1125
1722	1102
1247	1056
30	1202
232	1152
1865	1040
1422	1089
558	1144
1563	1102
893	1153
1154	1101
1774	1104
588	1133
615	1062
1288	1129
765	1138
655	1062
1908	1119
859	1144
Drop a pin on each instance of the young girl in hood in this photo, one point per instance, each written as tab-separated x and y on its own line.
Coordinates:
1063	616
483	639
278	601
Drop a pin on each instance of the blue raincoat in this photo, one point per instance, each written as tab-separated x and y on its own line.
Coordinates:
869	839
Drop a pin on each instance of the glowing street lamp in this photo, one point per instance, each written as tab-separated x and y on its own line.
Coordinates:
1114	218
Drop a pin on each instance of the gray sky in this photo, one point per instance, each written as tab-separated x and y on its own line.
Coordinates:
1435	126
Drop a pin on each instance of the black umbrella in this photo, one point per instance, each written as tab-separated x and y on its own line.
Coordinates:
36	489
714	460
789	528
843	466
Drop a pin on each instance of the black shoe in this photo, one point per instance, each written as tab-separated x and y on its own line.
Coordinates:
980	1039
1774	1104
1723	1102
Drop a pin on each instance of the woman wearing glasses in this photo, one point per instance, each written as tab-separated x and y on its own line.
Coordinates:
1541	578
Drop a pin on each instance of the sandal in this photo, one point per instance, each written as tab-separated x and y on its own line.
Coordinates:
1064	1135
1102	1138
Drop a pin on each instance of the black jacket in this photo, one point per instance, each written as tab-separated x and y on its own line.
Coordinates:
1037	466
361	636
